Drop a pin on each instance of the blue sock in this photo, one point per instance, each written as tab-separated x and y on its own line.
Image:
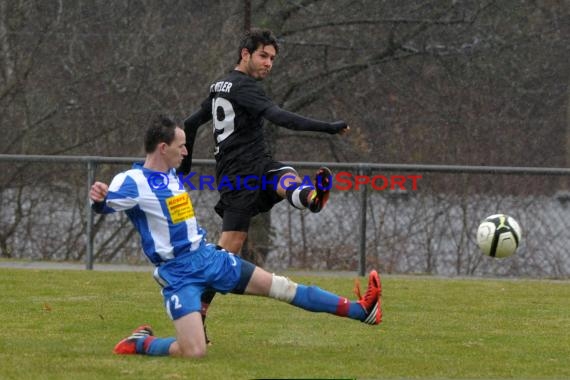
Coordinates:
160	346
313	298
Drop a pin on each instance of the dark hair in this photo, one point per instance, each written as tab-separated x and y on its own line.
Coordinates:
255	37
162	129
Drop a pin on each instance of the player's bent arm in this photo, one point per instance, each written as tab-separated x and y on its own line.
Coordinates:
97	195
191	125
297	122
121	195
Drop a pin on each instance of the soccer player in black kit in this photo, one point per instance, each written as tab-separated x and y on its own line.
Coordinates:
238	105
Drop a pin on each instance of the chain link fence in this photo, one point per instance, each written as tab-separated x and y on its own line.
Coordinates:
397	218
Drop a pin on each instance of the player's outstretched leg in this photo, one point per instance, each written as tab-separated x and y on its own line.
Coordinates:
367	308
143	341
320	195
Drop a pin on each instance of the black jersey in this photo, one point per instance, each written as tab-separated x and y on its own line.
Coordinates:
238	106
237	102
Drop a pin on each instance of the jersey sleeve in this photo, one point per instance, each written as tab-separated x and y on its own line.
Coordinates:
296	122
252	97
123	195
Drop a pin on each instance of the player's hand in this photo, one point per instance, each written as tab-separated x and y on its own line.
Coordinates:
339	127
98	192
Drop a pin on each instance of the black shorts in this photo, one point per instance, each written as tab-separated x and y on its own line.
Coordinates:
249	192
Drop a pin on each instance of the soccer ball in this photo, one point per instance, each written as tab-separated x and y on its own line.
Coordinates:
499	235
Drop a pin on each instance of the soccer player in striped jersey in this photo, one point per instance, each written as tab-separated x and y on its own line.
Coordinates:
238	106
185	264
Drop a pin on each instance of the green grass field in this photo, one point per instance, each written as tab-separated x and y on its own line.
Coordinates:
63	324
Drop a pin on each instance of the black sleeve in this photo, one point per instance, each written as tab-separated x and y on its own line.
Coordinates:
296	122
191	125
98	207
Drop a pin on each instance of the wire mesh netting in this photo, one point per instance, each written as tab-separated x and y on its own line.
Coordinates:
432	229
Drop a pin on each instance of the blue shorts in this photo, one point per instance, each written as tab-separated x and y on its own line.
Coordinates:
184	278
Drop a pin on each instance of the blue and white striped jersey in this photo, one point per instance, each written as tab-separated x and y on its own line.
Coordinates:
159	207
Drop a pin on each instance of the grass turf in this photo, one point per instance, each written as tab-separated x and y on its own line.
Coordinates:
63	324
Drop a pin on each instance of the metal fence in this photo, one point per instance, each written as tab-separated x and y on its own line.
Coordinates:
398	218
